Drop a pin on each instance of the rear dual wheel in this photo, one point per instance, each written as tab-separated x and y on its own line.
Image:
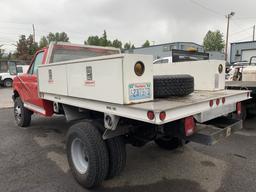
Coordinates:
92	159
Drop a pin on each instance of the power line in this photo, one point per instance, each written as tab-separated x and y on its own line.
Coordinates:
245	18
206	8
243	30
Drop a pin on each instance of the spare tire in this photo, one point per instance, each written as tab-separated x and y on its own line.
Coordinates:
173	85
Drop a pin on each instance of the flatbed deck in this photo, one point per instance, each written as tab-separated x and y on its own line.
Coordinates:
175	107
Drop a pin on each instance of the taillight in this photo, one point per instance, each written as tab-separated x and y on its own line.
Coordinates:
239	108
217	101
162	116
151	115
223	100
211	103
189	126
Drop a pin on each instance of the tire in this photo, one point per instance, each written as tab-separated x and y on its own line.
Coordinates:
92	169
173	85
117	156
117	153
22	115
168	143
8	83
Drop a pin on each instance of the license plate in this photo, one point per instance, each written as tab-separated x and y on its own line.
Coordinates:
139	91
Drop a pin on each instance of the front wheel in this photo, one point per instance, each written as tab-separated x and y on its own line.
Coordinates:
8	83
22	115
87	154
168	143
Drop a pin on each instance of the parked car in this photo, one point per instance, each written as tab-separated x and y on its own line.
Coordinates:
6	78
163	60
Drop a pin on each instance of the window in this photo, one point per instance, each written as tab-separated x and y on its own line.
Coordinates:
66	53
166	48
12	68
37	61
3	67
19	70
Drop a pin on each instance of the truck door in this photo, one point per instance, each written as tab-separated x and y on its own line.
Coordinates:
32	100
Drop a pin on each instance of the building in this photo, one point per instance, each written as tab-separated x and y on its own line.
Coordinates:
165	50
242	51
216	55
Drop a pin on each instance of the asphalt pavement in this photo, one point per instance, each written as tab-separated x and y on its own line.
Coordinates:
34	159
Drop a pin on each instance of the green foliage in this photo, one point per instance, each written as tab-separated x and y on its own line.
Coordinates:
129	46
117	44
146	44
53	37
26	48
92	40
1	52
213	41
99	41
104	41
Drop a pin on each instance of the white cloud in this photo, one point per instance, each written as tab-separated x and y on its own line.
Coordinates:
156	20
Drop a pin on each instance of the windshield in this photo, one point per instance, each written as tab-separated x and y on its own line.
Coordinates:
68	52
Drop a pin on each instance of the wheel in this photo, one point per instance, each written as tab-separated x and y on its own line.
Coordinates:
117	153
8	83
173	85
117	156
169	143
22	115
87	154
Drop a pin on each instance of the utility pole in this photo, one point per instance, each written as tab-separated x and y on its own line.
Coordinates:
226	47
34	33
253	33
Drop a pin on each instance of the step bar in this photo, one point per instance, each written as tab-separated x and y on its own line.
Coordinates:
211	132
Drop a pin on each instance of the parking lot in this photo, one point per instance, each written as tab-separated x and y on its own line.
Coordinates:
34	159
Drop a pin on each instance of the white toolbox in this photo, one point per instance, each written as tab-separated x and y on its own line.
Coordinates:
248	73
106	78
209	75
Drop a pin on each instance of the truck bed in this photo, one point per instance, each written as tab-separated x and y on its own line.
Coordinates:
175	107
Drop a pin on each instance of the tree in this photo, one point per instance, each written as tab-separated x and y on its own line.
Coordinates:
129	46
43	42
92	40
53	37
213	41
146	44
117	44
1	52
102	41
26	47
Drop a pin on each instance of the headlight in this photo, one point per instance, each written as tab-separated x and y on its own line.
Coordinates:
139	68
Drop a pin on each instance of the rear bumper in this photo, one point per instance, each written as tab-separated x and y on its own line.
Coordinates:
215	130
